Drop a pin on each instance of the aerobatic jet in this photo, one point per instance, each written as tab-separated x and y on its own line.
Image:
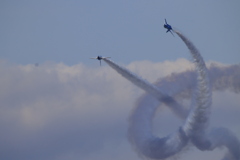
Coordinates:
168	27
100	58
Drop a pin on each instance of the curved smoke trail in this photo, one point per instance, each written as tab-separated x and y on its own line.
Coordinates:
140	131
141	135
159	148
181	86
216	137
198	119
194	126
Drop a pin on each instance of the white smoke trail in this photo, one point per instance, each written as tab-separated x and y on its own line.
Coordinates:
145	142
140	131
182	84
195	123
148	87
222	78
198	118
217	137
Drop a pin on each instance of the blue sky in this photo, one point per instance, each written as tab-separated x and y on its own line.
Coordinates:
72	31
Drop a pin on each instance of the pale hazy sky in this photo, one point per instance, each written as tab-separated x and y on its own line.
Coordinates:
69	108
128	30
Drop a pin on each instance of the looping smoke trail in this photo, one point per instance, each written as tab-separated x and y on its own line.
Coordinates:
195	126
222	78
201	139
140	122
181	86
195	123
160	148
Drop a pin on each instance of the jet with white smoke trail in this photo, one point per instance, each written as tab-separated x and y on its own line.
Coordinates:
141	136
160	148
100	58
196	124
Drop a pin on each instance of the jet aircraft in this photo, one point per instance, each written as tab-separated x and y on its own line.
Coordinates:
100	58
168	27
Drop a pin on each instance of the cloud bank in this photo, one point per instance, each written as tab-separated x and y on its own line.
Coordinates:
55	111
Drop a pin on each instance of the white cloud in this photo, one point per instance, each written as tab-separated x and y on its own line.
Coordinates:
55	111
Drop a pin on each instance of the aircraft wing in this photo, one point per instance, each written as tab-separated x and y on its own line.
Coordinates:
171	33
93	58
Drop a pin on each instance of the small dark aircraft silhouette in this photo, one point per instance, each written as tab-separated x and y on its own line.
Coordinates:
100	58
168	27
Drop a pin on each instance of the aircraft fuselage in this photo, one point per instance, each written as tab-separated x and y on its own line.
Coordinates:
168	27
99	57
